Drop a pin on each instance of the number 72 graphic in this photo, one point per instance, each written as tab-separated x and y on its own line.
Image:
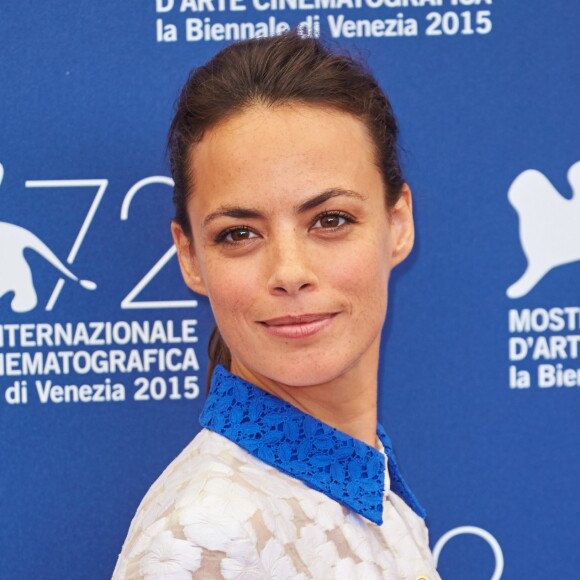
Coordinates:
129	302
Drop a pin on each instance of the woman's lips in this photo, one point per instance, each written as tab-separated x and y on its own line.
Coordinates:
301	326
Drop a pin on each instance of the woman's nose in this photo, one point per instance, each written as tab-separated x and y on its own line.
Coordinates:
291	270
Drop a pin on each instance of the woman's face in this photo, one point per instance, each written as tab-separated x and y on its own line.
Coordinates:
292	242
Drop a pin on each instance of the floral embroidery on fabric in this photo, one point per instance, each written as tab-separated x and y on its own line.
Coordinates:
303	447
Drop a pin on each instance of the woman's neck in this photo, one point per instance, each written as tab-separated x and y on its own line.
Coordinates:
347	403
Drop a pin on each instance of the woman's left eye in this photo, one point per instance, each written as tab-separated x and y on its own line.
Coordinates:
240	235
235	235
332	220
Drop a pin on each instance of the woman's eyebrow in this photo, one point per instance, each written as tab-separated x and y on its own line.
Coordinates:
232	212
326	195
247	213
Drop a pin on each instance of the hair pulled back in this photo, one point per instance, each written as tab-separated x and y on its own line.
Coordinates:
274	71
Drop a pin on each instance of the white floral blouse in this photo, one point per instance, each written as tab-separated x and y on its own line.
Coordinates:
266	491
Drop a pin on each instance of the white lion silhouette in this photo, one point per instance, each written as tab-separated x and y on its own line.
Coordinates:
15	273
549	225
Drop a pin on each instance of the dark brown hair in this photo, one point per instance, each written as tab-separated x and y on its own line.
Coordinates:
274	71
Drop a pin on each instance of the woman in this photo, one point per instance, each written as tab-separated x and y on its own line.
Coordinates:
291	211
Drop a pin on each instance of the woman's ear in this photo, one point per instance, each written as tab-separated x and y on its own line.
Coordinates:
188	262
402	226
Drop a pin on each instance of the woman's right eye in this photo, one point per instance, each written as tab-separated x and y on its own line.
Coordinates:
236	235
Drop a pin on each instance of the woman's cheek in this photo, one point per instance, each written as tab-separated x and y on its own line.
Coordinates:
230	291
363	270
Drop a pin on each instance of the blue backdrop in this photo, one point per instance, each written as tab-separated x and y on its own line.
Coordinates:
100	386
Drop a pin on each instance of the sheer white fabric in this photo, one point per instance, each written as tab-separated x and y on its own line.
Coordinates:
219	512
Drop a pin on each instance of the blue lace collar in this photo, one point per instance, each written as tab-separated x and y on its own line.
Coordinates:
334	463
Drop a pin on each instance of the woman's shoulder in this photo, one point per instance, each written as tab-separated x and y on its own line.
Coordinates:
199	503
206	467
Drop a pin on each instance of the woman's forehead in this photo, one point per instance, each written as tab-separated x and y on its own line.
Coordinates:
267	149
